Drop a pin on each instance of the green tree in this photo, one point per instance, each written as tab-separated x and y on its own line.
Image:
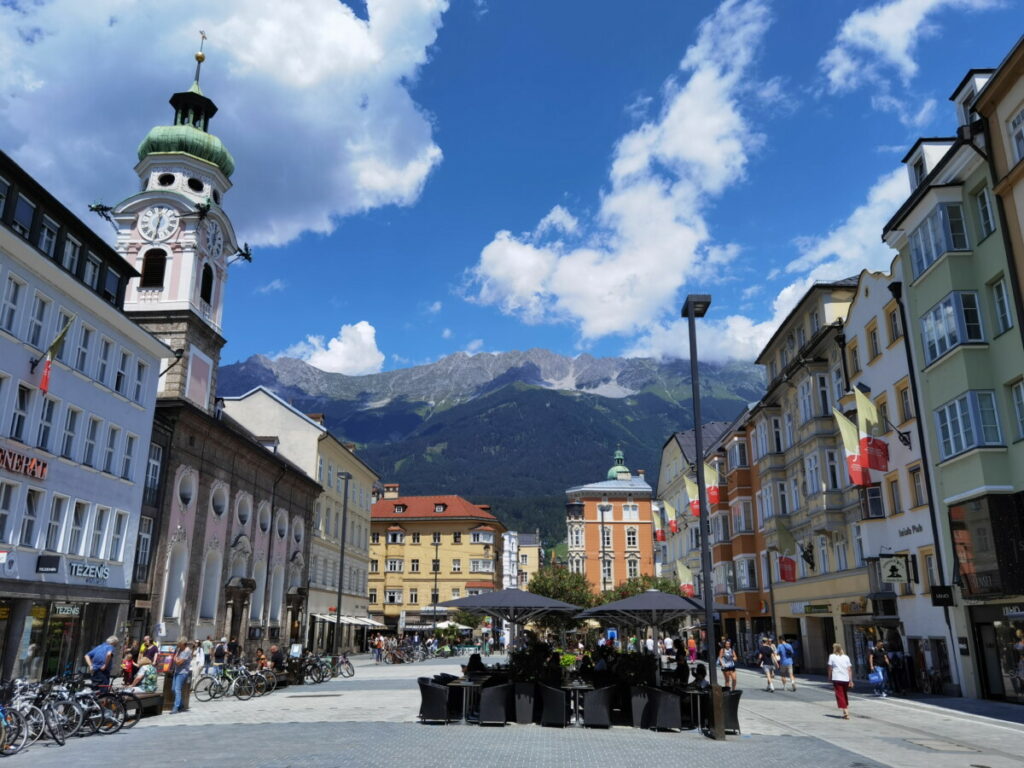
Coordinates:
639	584
467	618
559	583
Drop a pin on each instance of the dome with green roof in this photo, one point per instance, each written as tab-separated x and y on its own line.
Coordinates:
619	466
188	140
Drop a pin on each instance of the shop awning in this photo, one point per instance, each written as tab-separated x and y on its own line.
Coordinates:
357	621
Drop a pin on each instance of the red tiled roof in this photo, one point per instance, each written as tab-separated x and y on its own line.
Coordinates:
420	507
479	585
484	528
395	528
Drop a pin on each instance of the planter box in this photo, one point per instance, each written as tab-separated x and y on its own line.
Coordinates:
526	703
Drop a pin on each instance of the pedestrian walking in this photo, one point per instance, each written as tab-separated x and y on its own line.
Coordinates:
207	653
787	657
99	661
839	672
181	667
878	669
767	660
727	663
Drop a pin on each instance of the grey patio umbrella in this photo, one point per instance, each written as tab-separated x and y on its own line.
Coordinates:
513	605
652	608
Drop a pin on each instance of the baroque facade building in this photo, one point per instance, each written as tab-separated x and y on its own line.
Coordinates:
304	440
74	431
223	542
610	527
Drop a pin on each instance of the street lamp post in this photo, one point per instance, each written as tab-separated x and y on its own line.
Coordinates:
696	305
436	568
345	477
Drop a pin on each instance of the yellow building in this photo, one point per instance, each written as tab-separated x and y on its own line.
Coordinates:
428	549
530	555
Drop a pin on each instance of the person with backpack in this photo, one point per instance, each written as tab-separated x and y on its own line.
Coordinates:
766	660
220	655
787	656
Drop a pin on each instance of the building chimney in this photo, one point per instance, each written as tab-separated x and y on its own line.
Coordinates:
390	490
640	472
351	447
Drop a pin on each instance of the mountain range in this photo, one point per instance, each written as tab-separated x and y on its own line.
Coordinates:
509	429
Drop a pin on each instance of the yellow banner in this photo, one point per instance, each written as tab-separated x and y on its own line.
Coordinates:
851	439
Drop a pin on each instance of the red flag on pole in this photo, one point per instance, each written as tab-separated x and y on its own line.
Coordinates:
787	569
44	383
711	483
859	473
874	451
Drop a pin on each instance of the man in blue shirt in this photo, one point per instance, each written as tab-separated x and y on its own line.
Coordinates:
786	658
100	660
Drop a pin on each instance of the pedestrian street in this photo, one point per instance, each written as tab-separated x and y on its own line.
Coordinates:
370	720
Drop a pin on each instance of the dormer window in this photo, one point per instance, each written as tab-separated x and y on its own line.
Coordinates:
399	509
440	507
963	106
919	171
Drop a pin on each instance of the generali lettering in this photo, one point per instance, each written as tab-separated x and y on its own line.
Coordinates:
20	464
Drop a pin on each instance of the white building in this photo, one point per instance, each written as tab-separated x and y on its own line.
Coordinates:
306	442
73	456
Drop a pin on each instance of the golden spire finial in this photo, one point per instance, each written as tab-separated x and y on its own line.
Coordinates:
200	56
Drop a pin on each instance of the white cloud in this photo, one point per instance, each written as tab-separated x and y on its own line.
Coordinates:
446	333
274	286
884	37
852	245
314	101
559	220
434	308
353	351
474	346
649	235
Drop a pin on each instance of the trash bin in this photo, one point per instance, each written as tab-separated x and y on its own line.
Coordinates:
186	693
295	671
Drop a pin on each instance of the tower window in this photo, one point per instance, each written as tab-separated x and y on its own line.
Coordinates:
216	197
206	286
165	179
195	184
154	264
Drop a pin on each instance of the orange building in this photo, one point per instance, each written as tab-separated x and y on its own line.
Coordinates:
609	526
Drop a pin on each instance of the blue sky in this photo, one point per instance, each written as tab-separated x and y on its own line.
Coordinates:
419	178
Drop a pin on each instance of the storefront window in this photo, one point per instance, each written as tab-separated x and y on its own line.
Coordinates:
988	534
30	647
1009	644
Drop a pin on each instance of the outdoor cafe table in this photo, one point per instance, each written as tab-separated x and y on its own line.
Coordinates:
468	689
574	688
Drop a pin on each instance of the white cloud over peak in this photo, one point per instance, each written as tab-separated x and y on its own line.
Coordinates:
882	38
625	266
352	352
446	333
434	308
314	101
850	246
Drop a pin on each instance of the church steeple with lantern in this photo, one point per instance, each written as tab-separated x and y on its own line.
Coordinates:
177	235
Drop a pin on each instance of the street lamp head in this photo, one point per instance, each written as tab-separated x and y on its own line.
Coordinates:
344	475
696	305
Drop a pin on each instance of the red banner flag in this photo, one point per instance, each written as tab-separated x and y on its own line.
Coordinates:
687	590
787	569
859	472
691	491
711	484
874	451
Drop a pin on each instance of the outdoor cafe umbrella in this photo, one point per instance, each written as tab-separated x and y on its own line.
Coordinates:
515	606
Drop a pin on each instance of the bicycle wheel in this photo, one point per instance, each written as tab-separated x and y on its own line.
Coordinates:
259	684
271	678
309	674
113	713
71	715
15	732
132	709
34	721
243	689
53	725
203	690
389	658
346	669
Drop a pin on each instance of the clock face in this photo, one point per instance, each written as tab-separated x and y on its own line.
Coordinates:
158	223
214	239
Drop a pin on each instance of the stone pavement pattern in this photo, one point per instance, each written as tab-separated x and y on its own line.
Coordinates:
370	720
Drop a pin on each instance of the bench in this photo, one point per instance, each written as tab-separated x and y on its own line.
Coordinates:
152	703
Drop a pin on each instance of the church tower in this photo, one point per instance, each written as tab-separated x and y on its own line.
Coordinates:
178	237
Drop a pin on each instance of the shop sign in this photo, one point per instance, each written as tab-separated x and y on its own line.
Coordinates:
893	569
1011	609
84	570
20	464
818	608
144	604
66	609
38	611
853	606
797	608
942	596
5	612
910	530
965	649
48	564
